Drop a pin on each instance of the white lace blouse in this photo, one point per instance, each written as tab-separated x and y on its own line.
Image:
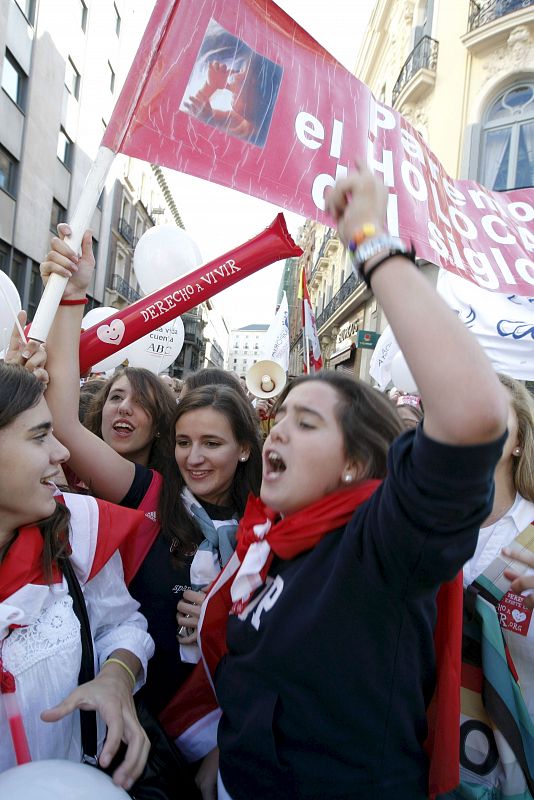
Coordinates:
44	655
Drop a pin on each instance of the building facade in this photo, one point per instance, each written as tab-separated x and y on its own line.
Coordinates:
462	73
216	337
61	70
245	347
135	200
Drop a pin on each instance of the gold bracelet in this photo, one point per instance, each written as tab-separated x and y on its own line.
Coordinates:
123	665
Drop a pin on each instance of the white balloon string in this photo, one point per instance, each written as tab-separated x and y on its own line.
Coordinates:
14	314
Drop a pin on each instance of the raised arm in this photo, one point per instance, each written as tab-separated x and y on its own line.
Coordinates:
463	399
105	472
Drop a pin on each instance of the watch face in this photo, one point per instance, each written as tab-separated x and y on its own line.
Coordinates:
378	245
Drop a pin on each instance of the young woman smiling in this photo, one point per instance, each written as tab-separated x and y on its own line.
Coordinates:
190	468
40	643
129	413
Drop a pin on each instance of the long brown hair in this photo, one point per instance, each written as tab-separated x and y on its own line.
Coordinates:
176	523
149	391
19	391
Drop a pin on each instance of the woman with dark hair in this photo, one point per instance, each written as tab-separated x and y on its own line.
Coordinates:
211	376
328	662
129	413
88	390
40	643
137	461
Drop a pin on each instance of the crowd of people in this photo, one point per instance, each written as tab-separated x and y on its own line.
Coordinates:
296	597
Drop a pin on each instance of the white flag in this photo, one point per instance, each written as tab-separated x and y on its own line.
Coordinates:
276	341
380	365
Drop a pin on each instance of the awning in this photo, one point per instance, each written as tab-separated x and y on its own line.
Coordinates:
341	355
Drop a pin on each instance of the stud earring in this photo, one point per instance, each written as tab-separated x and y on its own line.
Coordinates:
243	459
348	478
517	451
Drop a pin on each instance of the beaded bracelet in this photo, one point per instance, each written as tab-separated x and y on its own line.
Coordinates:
367	231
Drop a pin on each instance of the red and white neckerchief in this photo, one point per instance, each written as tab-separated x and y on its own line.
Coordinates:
97	529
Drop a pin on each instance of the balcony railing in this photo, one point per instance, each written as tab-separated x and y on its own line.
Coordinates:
423	56
350	285
122	287
481	13
126	230
330	234
296	342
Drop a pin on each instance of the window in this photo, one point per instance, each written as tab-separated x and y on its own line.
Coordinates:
14	80
72	79
423	16
4	257
111	78
64	149
83	16
8	172
95	253
28	9
18	271
126	209
36	289
117	20
507	160
59	214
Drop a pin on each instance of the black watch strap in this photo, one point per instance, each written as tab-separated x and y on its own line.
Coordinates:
393	253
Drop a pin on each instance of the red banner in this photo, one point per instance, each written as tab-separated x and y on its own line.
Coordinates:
239	94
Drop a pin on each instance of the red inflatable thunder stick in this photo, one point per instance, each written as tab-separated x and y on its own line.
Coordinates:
169	302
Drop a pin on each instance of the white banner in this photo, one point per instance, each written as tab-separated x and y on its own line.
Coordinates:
502	323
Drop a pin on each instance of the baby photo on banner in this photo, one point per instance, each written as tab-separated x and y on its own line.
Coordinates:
232	87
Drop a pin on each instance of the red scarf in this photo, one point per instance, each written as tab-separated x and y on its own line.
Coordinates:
299	532
22	563
287	538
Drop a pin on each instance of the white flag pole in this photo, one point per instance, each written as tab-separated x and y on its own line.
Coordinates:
81	219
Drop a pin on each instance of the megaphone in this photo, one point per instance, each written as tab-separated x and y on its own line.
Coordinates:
265	379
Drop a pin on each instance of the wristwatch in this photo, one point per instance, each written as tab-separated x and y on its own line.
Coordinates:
378	244
385	246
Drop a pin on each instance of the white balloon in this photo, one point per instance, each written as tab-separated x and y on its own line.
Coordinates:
9	303
401	376
93	317
162	254
157	350
58	780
